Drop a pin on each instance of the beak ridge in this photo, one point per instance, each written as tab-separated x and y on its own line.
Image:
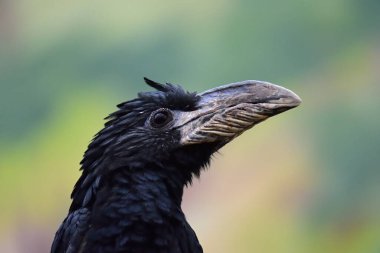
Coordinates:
227	111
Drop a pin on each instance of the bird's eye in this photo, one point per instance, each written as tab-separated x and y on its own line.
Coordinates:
160	118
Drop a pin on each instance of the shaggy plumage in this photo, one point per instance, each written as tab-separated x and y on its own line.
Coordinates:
128	198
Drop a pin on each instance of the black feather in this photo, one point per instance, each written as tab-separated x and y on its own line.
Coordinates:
128	198
153	84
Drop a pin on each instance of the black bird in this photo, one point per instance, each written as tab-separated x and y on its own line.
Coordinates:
128	198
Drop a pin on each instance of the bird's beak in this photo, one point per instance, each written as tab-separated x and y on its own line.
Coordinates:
227	111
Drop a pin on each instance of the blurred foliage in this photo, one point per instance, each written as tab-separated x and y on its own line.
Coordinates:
64	65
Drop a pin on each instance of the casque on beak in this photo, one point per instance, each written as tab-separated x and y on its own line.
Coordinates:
228	110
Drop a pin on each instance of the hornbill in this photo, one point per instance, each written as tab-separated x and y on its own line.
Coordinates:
128	197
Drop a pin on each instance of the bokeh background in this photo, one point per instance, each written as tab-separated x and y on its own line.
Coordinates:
305	181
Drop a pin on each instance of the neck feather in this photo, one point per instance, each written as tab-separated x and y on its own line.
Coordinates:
141	209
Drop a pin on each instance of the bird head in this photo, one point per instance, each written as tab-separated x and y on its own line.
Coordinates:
176	132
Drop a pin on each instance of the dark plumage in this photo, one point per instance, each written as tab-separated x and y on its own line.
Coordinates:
128	198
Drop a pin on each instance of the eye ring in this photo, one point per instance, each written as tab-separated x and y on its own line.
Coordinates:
160	118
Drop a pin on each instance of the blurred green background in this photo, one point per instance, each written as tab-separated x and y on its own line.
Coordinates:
307	180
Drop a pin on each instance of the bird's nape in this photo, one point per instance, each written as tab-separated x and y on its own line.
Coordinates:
128	198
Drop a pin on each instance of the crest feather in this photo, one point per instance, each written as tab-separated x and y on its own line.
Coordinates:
155	85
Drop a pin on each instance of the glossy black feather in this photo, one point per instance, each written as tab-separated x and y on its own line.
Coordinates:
69	237
128	198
